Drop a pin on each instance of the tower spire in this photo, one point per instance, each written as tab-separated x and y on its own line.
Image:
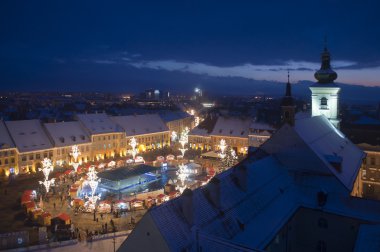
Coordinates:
325	74
288	92
287	104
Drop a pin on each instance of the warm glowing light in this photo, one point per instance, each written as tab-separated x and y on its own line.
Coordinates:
47	167
75	153
133	143
183	140
222	147
93	181
182	174
174	136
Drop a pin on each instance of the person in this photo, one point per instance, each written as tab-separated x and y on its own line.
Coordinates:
54	205
79	239
101	216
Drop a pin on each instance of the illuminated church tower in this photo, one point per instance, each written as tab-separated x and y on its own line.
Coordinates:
325	93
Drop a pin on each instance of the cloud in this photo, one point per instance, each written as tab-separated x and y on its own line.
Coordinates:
300	70
105	62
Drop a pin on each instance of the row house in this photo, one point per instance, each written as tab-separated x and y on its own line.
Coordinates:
149	131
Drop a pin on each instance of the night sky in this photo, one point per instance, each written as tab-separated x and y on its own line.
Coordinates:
175	45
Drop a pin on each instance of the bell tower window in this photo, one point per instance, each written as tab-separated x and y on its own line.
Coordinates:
324	103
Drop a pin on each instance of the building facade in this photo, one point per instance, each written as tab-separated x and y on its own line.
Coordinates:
239	134
149	131
24	144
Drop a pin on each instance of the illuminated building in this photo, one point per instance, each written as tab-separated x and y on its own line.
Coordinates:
32	142
325	93
64	135
107	138
149	130
8	153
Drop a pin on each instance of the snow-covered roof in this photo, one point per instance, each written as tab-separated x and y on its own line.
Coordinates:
247	205
261	129
168	116
331	146
5	138
98	123
198	132
28	135
140	124
231	127
264	177
67	133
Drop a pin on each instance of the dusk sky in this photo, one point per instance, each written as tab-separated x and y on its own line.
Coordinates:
176	45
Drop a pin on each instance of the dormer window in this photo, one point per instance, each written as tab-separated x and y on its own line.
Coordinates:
324	103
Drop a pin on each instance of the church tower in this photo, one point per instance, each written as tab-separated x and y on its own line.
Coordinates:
287	105
325	93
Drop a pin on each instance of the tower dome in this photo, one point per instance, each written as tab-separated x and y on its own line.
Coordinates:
325	74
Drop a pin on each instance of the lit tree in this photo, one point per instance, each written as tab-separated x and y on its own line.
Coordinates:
182	174
230	158
133	143
93	181
183	140
47	167
75	153
222	147
174	136
196	121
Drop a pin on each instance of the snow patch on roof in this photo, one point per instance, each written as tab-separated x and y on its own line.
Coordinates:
98	123
28	135
140	124
67	133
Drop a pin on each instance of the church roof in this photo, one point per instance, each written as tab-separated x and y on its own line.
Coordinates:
246	206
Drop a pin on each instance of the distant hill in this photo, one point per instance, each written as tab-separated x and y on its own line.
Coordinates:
242	86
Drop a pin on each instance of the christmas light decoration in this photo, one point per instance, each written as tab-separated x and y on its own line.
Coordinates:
174	136
183	140
47	167
182	174
222	147
133	143
93	181
75	153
